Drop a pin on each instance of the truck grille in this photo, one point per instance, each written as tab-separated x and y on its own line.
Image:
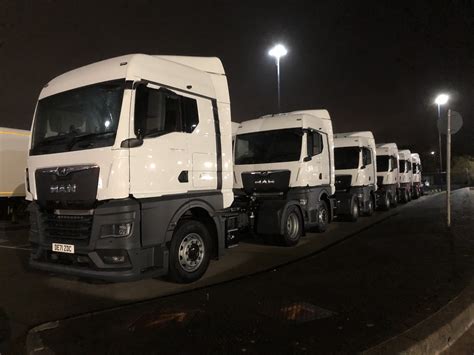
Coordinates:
379	180
343	182
70	227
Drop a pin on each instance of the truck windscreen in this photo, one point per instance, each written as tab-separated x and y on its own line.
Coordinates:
346	158
265	147
382	162
82	118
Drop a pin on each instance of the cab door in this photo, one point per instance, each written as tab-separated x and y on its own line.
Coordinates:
318	150
161	164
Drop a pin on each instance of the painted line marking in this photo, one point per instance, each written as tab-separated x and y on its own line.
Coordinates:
15	133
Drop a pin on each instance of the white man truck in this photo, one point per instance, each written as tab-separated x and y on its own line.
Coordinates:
130	169
356	172
387	175
13	153
417	188
405	175
284	173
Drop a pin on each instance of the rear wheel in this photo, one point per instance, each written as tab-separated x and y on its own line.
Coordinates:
189	251
293	226
322	214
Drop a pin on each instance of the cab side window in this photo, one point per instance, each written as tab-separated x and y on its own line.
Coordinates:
161	111
366	156
315	143
393	162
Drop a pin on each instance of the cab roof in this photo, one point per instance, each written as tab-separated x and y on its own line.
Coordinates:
316	119
181	72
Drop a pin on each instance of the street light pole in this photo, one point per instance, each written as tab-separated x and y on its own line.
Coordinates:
441	99
277	52
439	141
278	82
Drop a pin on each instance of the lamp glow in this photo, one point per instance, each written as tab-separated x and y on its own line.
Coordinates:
441	99
278	51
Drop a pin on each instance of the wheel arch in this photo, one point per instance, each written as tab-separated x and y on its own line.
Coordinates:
205	213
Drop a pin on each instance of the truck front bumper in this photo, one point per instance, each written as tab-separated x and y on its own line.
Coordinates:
97	254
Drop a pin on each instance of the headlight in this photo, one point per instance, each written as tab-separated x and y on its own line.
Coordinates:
118	230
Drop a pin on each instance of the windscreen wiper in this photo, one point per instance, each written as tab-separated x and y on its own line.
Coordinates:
83	137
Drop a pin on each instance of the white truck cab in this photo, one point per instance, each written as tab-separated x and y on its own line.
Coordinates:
13	153
387	175
405	175
130	166
417	189
356	171
284	172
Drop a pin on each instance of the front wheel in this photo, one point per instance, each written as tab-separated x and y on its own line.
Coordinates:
354	215
293	227
370	207
189	251
385	202
394	201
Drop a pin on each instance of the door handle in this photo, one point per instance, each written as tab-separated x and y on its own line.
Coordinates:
183	176
320	176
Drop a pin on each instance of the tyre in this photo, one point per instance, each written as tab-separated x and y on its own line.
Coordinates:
385	201
404	197
408	195
190	251
394	201
323	217
369	211
416	193
293	226
354	215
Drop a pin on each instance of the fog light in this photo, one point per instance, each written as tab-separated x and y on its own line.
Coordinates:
114	259
113	256
118	230
82	259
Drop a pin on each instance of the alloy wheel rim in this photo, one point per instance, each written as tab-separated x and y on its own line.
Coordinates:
292	226
191	252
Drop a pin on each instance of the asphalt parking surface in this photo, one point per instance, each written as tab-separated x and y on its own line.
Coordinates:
380	275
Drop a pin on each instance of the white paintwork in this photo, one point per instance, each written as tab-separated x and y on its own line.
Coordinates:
360	177
389	177
235	127
405	177
13	153
152	170
302	173
415	157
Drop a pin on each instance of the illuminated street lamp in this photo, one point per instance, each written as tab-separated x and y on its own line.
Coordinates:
277	52
432	152
441	99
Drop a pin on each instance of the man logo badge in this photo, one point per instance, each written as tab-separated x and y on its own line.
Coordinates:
63	189
264	181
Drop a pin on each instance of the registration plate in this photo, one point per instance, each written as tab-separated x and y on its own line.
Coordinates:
63	248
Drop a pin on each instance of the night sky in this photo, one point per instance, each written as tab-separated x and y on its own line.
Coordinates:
374	65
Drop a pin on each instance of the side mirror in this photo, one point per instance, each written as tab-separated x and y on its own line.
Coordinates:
131	143
308	158
363	167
